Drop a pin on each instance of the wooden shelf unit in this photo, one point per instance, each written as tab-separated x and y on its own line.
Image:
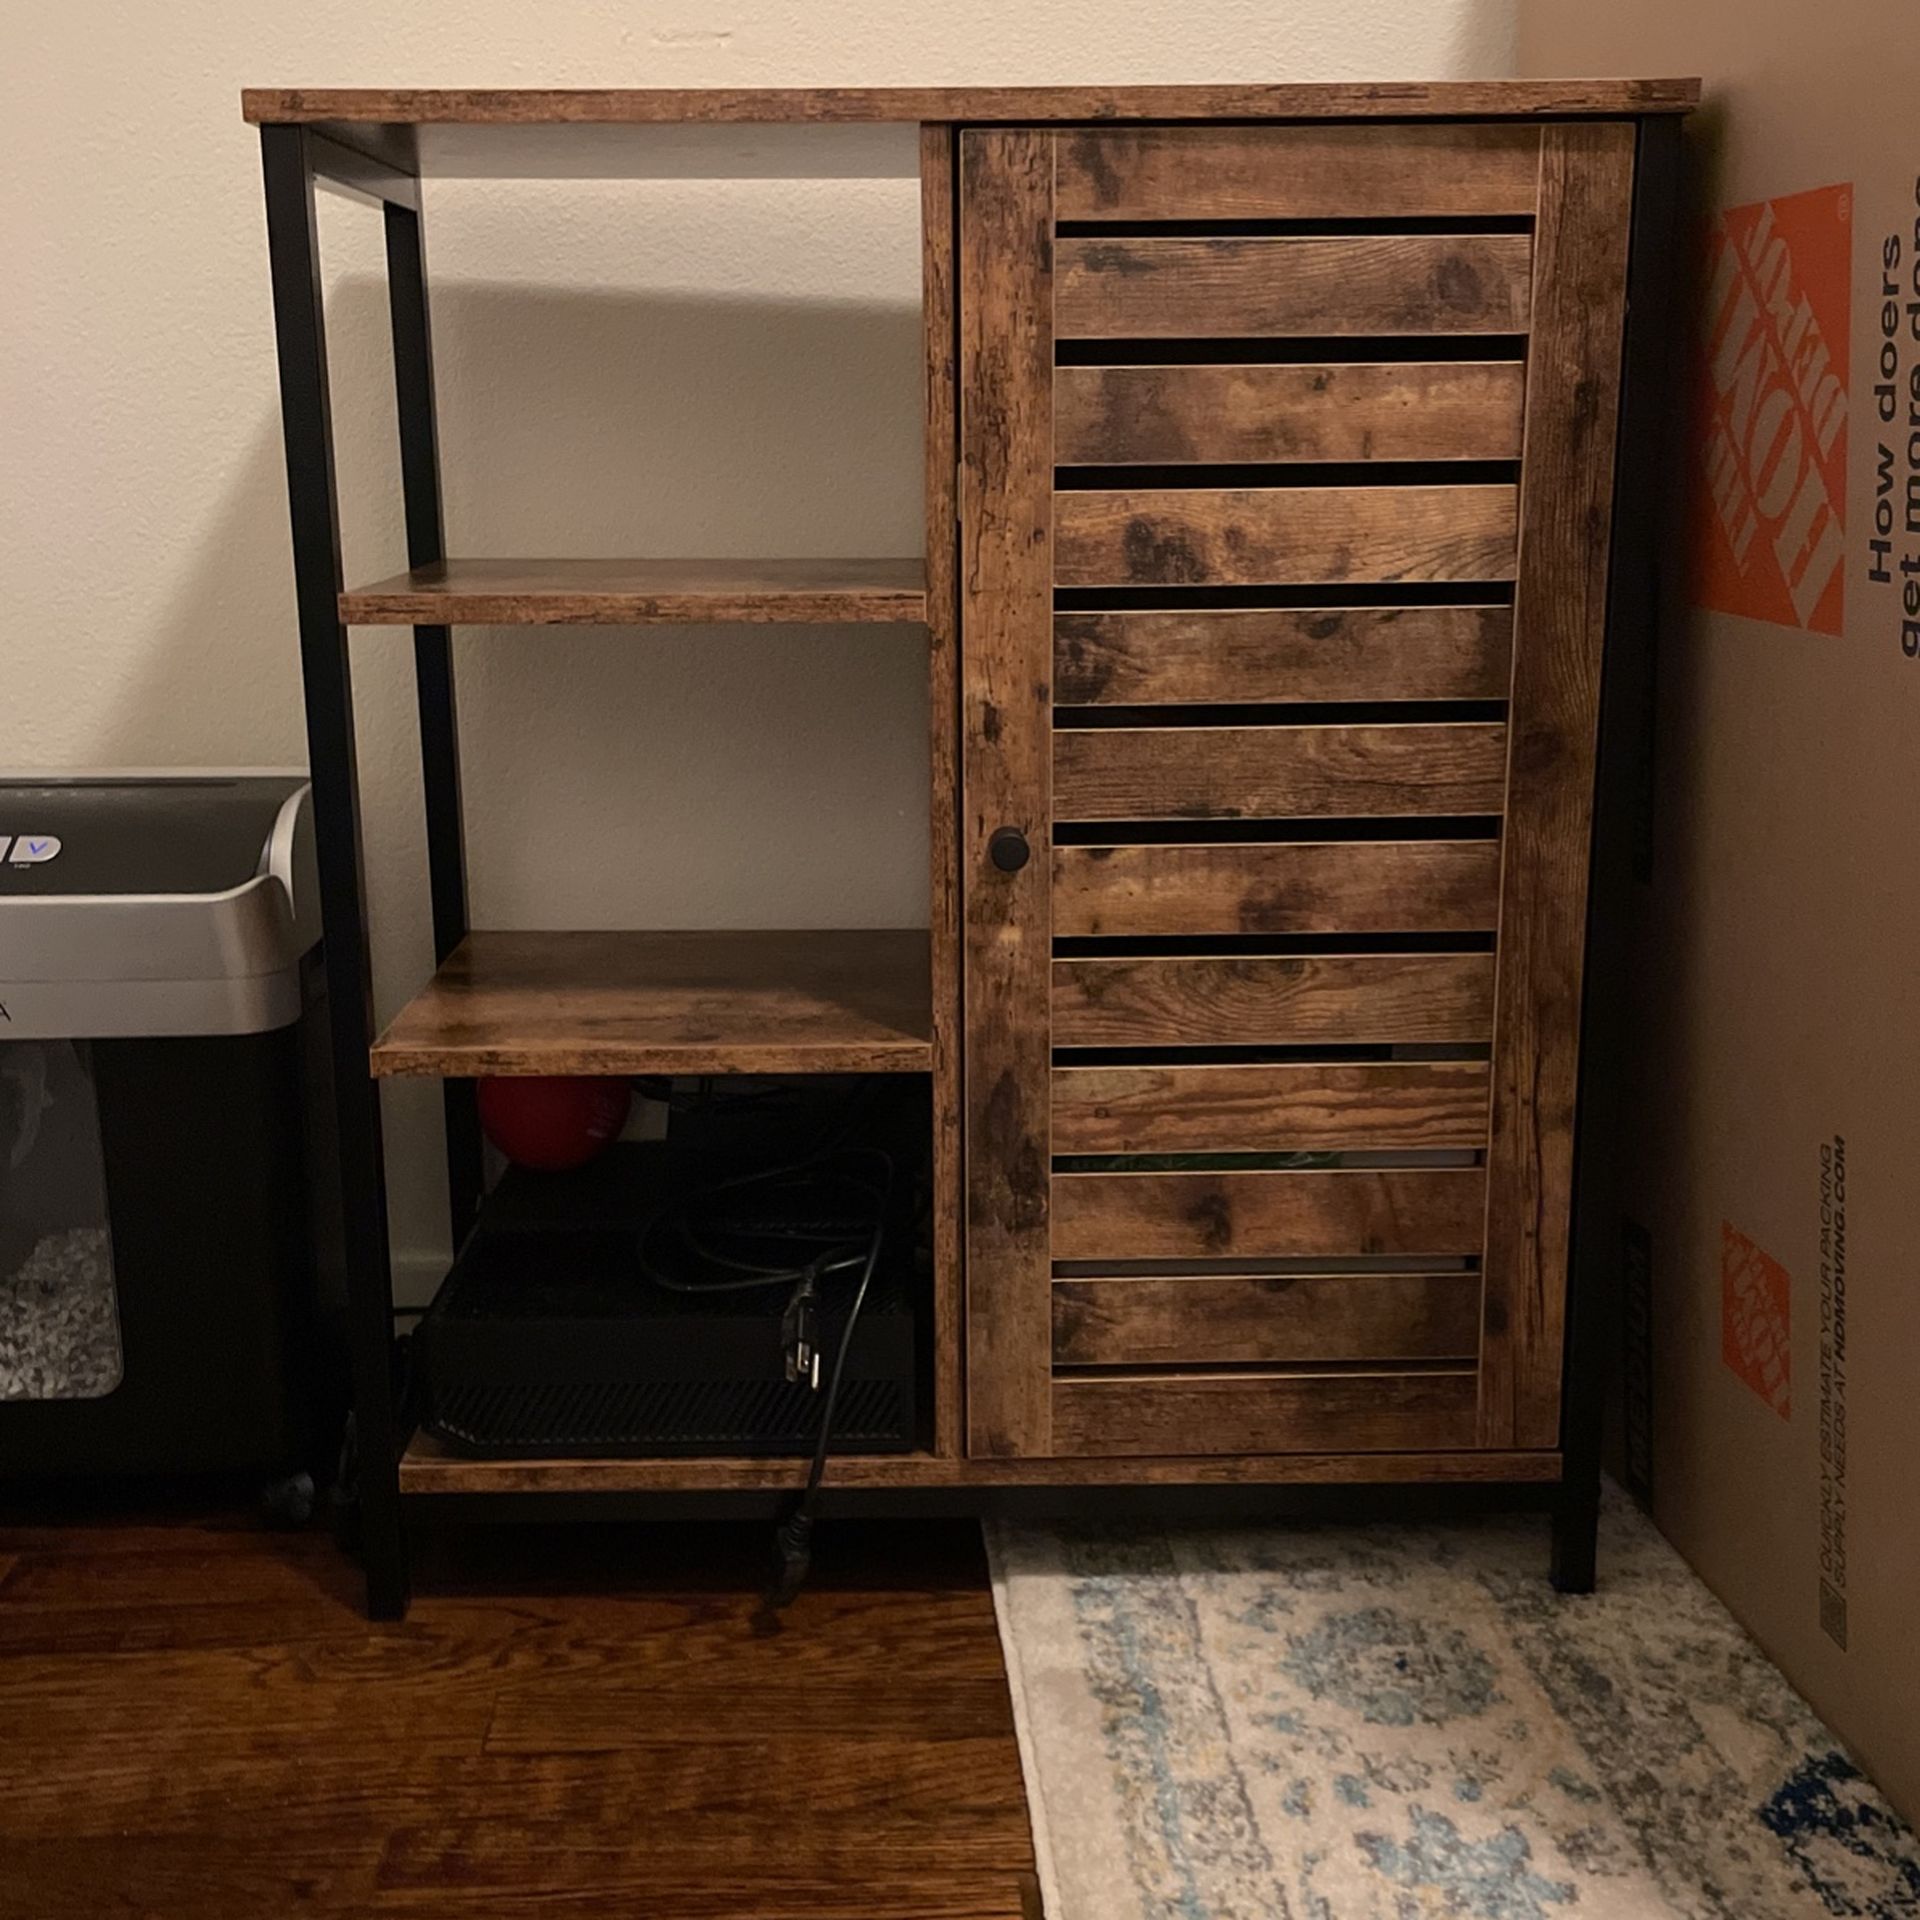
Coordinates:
553	593
1280	397
667	1003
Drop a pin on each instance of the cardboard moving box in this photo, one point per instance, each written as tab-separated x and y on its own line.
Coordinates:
1773	1347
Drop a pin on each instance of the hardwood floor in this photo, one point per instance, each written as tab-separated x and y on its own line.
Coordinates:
196	1720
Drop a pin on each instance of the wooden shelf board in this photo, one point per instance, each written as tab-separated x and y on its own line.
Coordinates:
344	109
616	1003
429	1466
641	592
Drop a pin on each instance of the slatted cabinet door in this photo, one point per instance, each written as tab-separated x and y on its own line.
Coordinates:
1286	461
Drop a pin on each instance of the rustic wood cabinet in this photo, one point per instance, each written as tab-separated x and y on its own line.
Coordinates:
1286	594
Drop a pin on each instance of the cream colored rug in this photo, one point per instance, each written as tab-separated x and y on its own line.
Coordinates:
1403	1723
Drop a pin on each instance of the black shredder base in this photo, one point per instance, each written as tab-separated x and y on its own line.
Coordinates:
232	1357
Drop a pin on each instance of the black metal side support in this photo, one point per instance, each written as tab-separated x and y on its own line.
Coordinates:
1641	474
313	495
433	666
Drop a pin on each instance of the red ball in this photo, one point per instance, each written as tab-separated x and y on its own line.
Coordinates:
553	1122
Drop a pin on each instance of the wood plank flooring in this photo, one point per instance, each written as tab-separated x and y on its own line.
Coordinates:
197	1720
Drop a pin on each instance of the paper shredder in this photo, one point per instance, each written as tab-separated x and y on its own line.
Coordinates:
170	1297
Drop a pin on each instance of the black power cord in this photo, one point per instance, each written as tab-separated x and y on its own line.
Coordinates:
798	1226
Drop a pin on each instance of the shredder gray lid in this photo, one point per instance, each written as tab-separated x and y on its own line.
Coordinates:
151	904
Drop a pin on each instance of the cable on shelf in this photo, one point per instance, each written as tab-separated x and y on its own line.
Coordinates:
803	1225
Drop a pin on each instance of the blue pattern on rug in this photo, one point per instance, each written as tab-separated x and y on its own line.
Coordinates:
1489	1879
1408	1724
1388	1667
1196	1825
1827	1815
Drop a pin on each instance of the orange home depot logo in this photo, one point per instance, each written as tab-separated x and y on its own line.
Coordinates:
1755	1318
1770	506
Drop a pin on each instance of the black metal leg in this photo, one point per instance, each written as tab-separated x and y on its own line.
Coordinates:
1626	717
300	331
1576	1536
433	666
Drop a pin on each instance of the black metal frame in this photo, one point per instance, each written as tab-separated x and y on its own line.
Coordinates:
296	158
1641	467
293	160
433	667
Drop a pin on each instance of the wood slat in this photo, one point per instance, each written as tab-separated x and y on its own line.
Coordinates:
1257	536
1278	1000
1287	1214
1310	1106
1295	173
1216	288
1312	886
1226	1319
1447	410
1263	1413
1265	773
1560	623
1006	483
1205	657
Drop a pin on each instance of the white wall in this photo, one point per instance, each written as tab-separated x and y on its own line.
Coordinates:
661	367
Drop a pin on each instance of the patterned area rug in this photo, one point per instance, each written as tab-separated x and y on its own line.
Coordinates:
1395	1723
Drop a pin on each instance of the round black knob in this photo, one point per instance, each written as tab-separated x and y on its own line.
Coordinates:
1008	850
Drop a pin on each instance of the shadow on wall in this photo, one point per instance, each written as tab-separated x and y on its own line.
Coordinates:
696	776
713	776
661	776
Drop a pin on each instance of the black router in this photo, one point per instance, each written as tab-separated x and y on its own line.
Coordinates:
548	1339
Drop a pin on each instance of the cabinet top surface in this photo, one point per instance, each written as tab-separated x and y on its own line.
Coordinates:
634	106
